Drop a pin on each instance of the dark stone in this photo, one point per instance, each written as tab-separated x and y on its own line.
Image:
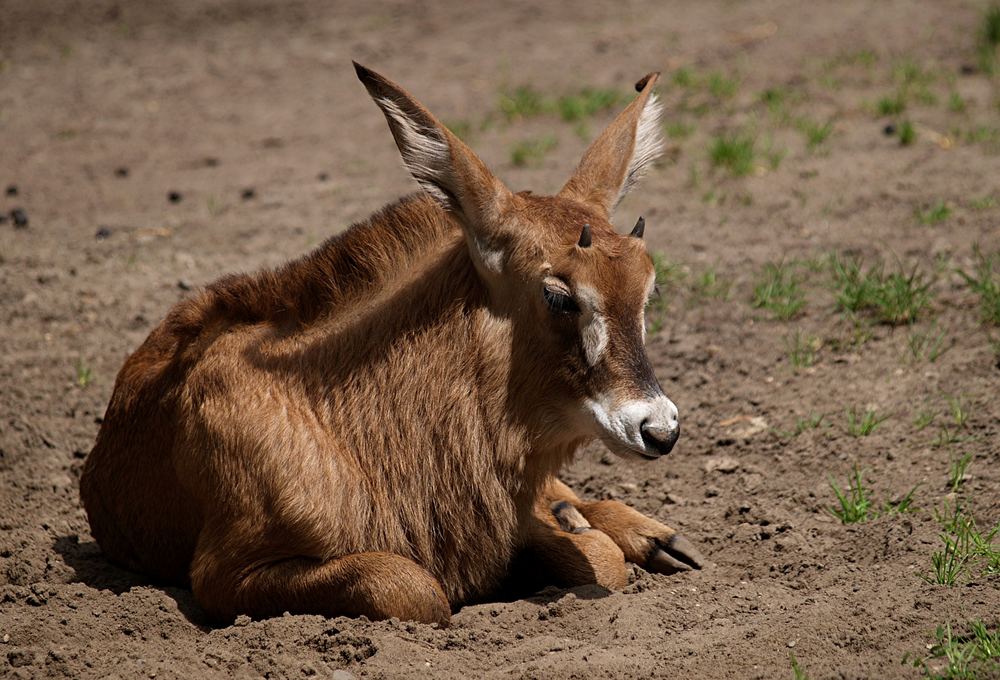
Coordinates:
889	130
102	233
12	190
248	193
322	177
174	197
121	172
19	218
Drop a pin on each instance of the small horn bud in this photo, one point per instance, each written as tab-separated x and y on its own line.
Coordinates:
585	239
639	228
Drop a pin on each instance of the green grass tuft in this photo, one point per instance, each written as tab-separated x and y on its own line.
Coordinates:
895	298
735	152
934	214
84	374
802	349
532	151
777	290
907	133
891	105
966	551
815	132
985	282
863	424
856	504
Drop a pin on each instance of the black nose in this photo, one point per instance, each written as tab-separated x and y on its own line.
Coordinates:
660	439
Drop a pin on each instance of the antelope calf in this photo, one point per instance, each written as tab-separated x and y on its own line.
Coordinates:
376	428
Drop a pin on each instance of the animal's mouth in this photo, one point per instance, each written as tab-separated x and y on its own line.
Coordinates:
628	451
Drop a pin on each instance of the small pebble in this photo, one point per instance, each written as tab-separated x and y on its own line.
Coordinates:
211	162
322	177
248	193
12	190
102	233
967	69
19	218
121	172
889	130
184	284
174	197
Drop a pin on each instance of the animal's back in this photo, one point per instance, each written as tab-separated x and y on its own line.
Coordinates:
140	513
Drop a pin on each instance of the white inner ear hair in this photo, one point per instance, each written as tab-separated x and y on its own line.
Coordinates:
424	150
648	143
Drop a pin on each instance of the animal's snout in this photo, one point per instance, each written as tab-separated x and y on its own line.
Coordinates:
660	438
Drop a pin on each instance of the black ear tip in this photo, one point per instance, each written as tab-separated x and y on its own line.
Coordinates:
365	75
641	85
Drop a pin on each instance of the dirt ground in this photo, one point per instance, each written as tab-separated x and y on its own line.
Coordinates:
107	107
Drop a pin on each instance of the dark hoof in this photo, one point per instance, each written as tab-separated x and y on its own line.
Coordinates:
673	555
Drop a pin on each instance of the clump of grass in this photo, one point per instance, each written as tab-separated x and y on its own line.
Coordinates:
734	151
960	657
933	214
984	203
798	672
777	290
811	422
708	285
677	129
531	151
862	424
586	103
956	103
895	298
956	472
855	504
721	86
985	281
802	349
907	133
523	102
966	551
84	374
816	133
958	417
989	39
527	102
927	345
923	419
891	105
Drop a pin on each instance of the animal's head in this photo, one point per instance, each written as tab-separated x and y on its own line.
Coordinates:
556	265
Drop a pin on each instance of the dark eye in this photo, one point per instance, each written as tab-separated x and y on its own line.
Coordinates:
559	301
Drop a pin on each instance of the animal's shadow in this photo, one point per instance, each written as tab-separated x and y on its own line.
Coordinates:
91	568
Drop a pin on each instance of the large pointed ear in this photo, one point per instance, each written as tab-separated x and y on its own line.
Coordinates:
440	162
618	158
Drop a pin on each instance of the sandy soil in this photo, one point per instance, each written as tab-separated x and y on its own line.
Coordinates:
107	107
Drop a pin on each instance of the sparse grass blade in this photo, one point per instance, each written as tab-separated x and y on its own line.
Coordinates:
934	214
84	374
956	472
802	349
777	290
855	504
985	282
735	152
863	424
532	151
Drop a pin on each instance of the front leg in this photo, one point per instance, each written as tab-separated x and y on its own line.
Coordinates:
562	549
644	541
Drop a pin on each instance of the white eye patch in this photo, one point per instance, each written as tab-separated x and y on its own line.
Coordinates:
593	326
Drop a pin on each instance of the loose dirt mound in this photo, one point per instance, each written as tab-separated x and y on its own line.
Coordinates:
108	109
